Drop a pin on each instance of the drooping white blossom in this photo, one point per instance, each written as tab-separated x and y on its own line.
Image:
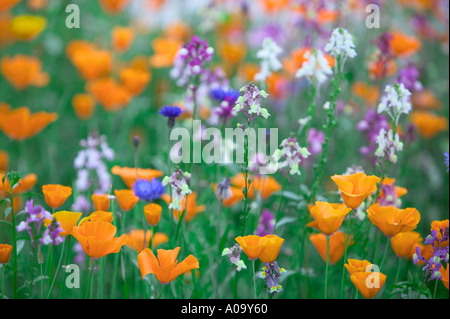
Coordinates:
315	68
396	101
269	59
341	44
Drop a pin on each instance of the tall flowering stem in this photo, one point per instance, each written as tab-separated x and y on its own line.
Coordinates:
326	267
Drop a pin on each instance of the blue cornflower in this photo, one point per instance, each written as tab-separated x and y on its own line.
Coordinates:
221	95
148	191
446	159
171	112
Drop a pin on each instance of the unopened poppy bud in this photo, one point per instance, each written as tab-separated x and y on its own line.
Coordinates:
152	213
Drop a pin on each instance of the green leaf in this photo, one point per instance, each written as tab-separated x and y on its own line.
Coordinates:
7	212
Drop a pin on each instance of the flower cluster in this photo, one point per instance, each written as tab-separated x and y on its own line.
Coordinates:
89	161
292	154
147	190
250	102
395	102
36	216
179	181
341	45
409	77
316	67
269	59
234	253
271	273
266	224
190	60
51	235
388	145
371	125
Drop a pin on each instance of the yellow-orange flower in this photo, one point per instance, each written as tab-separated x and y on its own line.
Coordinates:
403	45
68	221
404	244
22	186
135	239
4	161
391	220
97	238
399	191
101	202
328	217
165	50
122	38
355	265
84	105
8	4
92	63
5	253
134	79
236	196
264	185
425	100
274	5
355	188
152	213
56	195
360	279
23	71
19	124
439	227
114	6
27	27
99	215
126	199
129	174
192	208
428	124
232	52
166	267
337	245
37	4
444	274
270	253
367	93
380	69
178	30
111	95
252	245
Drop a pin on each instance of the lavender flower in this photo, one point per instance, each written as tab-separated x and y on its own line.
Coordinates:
292	154
409	77
390	197
266	223
51	234
250	102
234	253
179	181
223	191
388	145
316	138
271	273
148	190
36	216
371	125
227	99
446	160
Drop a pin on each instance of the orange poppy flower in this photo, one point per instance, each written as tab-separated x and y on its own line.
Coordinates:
337	245
152	213
129	174
277	85
265	185
126	199
165	50
444	274
19	124
27	27
328	217
236	196
134	80
114	6
91	63
380	69
232	52
68	221
84	105
97	238
439	227
428	124
253	245
192	208
37	4
98	216
23	71
248	71
399	191
355	265
111	95
135	239
4	161
101	202
360	279
8	4
391	220
356	187
6	37
270	253
404	244
56	195
122	38
178	31
5	253
403	45
166	267
425	100
367	93
22	186
274	5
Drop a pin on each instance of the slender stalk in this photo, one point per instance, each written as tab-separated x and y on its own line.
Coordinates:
326	268
435	288
42	283
277	216
91	277
385	253
56	272
254	279
345	259
235	285
66	259
13	218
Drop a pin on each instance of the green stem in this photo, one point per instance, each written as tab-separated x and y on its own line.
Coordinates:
277	217
66	259
344	261
435	288
235	285
56	272
254	279
385	252
11	196
42	283
326	268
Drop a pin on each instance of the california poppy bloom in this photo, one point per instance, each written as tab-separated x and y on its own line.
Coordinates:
112	96
6	37
403	45
337	245
428	124
270	253
391	220
56	195
367	93
68	221
425	100
122	38
8	4
328	217
152	213
22	186
99	215
232	52
92	63
114	6
126	199
37	4
404	244
101	202
381	68
165	50
444	274
134	79
5	253
264	185
439	227
253	245
192	208
135	239
4	161
23	71
129	174
236	196
97	238
19	124
178	30
274	5
360	279
356	187
247	71
27	27
84	105
355	265
165	267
